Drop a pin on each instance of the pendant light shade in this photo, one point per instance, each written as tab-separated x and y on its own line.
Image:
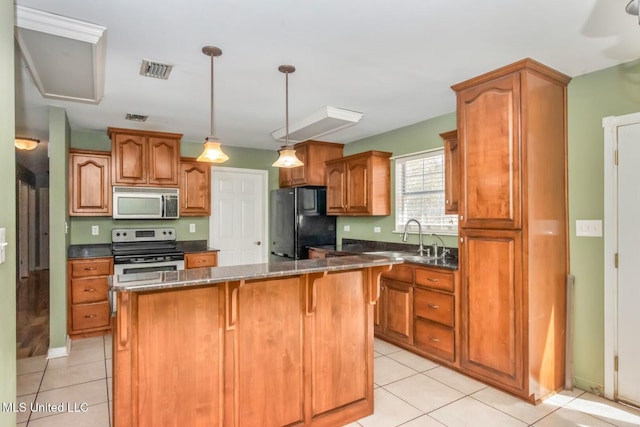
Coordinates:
287	154
27	144
212	152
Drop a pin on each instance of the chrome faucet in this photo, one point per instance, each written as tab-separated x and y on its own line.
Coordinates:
404	236
435	245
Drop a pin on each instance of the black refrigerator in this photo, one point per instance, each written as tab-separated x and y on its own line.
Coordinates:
297	220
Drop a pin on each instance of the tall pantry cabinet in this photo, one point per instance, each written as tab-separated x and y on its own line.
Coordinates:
513	233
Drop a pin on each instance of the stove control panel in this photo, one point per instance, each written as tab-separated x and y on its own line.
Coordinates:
119	235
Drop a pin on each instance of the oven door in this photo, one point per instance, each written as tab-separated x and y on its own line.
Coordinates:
145	267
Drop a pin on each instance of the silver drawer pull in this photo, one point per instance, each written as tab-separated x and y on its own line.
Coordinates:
90	290
433	306
432	280
434	339
90	316
89	268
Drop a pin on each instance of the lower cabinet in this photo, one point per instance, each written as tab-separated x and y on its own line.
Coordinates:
88	310
201	259
418	310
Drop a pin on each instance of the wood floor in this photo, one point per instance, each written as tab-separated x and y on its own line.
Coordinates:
32	315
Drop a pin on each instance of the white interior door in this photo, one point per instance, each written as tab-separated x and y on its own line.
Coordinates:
238	222
43	200
23	229
628	295
32	229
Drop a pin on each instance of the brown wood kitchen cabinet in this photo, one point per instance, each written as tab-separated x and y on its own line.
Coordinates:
359	185
88	310
144	157
89	183
313	154
451	171
513	248
195	188
201	259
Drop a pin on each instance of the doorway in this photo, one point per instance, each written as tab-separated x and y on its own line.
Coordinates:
239	220
622	242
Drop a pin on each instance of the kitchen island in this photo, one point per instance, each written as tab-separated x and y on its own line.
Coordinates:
287	343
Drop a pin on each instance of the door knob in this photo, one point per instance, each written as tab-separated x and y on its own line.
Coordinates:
258	243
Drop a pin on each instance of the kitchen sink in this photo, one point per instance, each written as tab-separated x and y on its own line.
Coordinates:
402	255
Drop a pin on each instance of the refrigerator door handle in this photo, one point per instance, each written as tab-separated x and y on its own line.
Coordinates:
280	254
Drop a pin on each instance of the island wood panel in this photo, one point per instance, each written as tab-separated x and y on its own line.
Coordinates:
339	344
268	351
180	385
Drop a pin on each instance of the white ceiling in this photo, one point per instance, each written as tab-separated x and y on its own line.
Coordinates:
392	60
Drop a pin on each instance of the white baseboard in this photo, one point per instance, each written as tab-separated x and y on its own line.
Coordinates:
55	352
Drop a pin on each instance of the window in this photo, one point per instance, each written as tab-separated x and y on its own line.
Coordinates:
420	193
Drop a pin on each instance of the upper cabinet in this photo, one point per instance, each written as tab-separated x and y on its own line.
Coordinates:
359	185
195	188
313	154
145	158
89	183
451	172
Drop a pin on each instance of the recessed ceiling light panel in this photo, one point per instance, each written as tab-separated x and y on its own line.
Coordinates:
155	69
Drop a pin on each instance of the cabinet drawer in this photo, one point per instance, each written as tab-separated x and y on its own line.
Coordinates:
93	289
90	316
400	272
434	339
434	306
205	259
91	268
435	279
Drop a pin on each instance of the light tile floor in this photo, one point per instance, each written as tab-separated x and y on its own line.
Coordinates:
410	391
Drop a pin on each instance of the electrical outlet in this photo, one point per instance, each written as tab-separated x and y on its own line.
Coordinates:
347	228
376	229
589	228
192	228
95	230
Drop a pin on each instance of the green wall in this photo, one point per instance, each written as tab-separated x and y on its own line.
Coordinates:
7	215
418	137
59	135
610	92
238	158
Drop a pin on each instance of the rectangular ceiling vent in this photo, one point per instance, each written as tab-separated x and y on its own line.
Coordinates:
136	117
155	69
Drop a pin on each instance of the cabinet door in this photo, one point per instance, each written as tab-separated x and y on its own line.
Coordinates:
336	186
489	139
358	186
492	305
451	172
90	182
164	161
129	156
195	188
398	310
299	174
284	177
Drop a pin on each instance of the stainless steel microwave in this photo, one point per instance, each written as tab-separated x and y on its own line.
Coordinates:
145	203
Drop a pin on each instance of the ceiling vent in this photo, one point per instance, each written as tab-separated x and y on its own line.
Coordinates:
66	57
136	117
322	122
155	69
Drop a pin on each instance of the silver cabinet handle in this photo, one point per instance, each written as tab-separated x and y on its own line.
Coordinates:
90	290
462	240
434	339
433	306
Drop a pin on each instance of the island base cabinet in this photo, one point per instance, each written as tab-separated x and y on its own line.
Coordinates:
294	350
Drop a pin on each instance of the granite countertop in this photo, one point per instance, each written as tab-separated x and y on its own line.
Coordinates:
102	250
203	276
351	247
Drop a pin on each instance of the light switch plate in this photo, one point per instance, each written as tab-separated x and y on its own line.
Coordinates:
589	228
3	245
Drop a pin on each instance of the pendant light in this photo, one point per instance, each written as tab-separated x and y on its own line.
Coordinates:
27	144
212	152
287	154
